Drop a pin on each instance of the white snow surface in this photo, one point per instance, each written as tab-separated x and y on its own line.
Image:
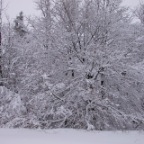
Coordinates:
69	136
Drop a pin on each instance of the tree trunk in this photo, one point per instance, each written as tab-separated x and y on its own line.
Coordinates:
1	75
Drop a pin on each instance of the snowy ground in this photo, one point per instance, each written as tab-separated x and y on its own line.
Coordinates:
66	136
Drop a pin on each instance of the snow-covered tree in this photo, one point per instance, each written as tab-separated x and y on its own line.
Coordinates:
80	66
19	26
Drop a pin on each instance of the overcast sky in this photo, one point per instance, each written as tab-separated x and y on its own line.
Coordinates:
29	7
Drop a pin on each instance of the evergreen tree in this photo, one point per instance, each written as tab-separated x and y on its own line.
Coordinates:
19	26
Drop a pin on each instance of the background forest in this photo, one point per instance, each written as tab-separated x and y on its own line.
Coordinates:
79	65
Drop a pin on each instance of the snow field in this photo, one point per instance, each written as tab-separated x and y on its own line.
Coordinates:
69	136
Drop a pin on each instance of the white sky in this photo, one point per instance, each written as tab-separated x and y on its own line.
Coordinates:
29	7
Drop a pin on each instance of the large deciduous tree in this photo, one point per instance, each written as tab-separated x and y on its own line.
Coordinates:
78	67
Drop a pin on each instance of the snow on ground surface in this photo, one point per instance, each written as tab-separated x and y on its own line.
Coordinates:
68	136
